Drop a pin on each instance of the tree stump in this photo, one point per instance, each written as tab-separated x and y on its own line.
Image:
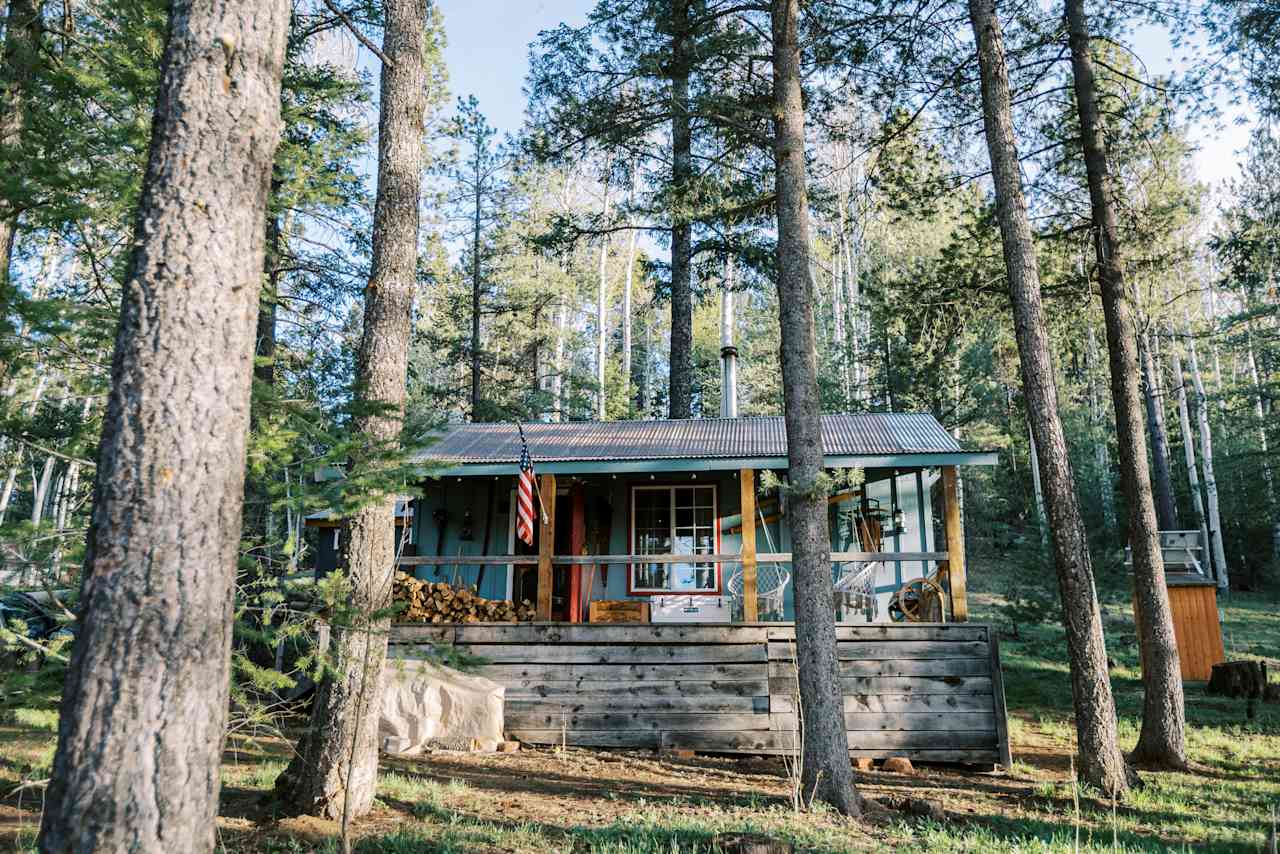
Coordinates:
751	843
1238	679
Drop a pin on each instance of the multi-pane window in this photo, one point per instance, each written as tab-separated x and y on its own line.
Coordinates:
674	520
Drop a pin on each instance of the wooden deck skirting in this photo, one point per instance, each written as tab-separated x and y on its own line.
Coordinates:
931	692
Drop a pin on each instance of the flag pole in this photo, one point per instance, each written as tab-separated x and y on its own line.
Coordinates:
537	490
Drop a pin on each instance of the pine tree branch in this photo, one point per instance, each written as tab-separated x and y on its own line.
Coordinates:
360	37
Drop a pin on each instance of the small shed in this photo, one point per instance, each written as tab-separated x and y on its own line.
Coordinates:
1193	601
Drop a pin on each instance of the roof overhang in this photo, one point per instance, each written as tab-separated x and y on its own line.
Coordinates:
445	468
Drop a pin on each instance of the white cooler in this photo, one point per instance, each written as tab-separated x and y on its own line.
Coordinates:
689	609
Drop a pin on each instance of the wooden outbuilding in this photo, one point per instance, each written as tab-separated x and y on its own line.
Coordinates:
1193	600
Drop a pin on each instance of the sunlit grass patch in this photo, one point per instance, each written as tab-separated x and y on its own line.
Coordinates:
260	776
45	720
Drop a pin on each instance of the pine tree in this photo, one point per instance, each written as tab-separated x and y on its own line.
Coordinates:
1101	763
145	702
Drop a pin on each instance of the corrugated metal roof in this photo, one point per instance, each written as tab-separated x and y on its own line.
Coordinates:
874	434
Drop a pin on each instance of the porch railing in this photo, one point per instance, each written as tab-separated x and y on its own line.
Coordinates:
596	560
851	600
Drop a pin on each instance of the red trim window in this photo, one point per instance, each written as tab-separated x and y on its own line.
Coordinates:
674	520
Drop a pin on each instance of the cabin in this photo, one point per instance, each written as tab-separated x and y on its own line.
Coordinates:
661	577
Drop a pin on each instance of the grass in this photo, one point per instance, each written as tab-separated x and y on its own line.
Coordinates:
579	801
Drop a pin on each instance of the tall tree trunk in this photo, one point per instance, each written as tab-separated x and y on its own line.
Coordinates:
144	708
856	325
33	405
646	376
557	366
1162	479
626	300
1097	420
826	774
265	351
258	526
334	773
23	32
1260	425
40	490
6	492
1162	740
602	313
1214	519
1037	485
1101	763
476	287
72	487
680	393
1189	453
837	297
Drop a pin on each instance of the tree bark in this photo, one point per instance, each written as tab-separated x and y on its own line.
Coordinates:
1260	424
144	707
23	32
476	284
626	301
334	773
680	393
557	366
1162	740
40	490
1189	453
1097	419
827	775
1210	480
1100	761
1037	486
602	313
1162	480
265	350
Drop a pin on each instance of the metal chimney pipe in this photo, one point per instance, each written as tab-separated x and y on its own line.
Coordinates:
728	352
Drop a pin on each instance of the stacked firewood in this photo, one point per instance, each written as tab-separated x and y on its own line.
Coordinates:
441	602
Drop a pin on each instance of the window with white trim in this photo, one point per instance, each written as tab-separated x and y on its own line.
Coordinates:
674	520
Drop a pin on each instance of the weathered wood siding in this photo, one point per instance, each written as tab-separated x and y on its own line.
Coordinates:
926	691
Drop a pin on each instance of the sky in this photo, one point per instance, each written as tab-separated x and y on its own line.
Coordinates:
488	50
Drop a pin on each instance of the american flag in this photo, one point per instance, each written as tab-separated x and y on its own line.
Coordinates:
524	494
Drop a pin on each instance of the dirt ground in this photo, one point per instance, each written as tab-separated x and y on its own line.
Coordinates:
562	791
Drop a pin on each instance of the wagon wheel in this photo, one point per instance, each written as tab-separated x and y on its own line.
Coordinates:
909	600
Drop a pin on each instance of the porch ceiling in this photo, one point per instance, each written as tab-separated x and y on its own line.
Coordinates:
582	447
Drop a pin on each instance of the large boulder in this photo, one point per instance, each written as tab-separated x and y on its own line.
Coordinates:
425	704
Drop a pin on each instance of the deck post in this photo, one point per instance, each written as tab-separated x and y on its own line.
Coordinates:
954	527
750	601
546	545
578	536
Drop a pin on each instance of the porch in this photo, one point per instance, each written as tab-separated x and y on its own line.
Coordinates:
688	519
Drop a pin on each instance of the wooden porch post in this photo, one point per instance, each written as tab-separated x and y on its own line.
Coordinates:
546	546
955	545
579	547
750	601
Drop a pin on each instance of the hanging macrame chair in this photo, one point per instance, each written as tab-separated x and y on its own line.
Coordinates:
771	583
855	588
771	588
